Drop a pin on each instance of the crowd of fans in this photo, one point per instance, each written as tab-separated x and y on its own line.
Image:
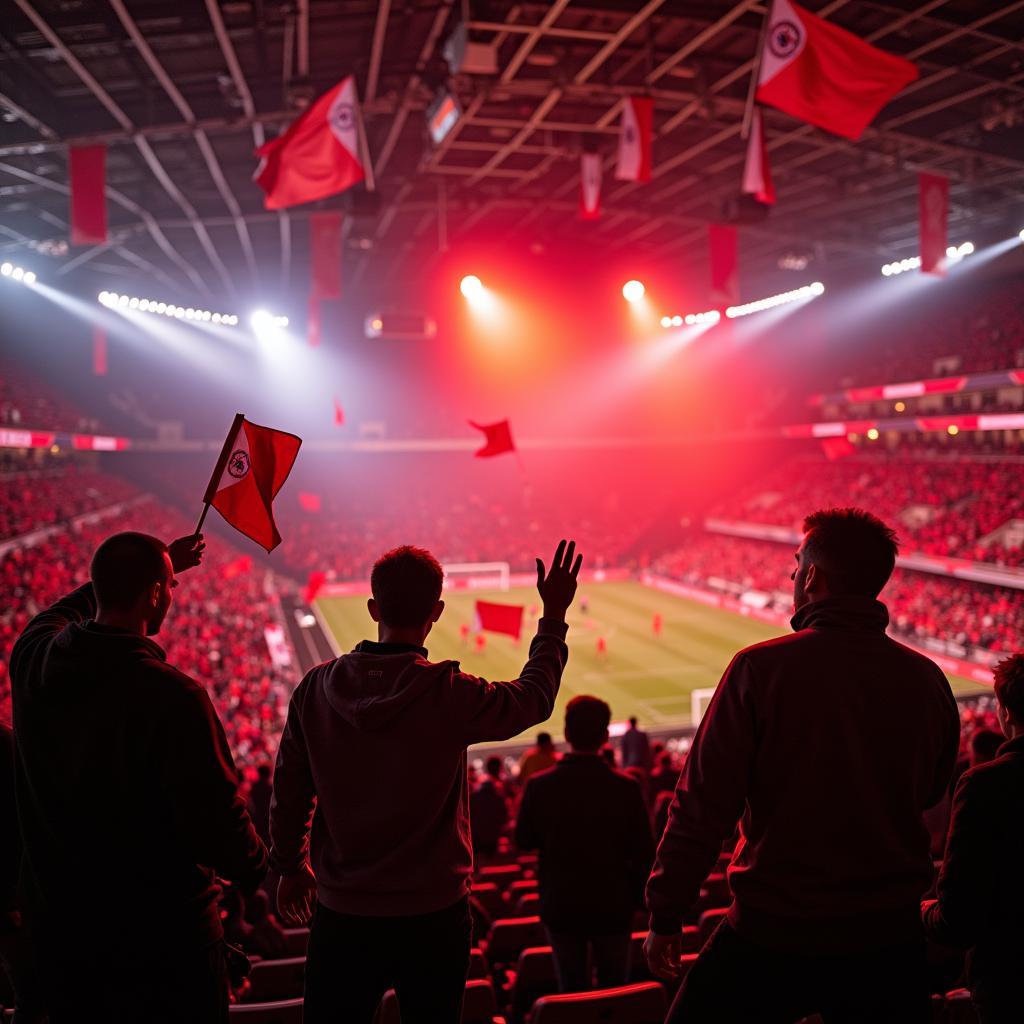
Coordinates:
218	618
28	403
941	506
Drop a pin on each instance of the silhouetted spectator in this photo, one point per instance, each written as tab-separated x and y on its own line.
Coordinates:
590	826
267	937
829	792
128	799
983	746
259	801
636	748
488	809
980	903
665	775
537	758
608	753
374	756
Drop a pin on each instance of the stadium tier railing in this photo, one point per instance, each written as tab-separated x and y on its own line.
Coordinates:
959	384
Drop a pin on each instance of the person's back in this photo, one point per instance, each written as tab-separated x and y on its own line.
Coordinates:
538	758
488	807
636	748
378	739
806	743
980	905
126	786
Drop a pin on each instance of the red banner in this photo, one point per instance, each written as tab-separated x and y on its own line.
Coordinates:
725	279
933	211
325	255
313	321
87	167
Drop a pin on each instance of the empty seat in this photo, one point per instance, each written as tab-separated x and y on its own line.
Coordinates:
490	897
479	1005
521	886
708	922
510	936
717	887
959	1008
691	939
276	979
296	941
527	904
503	875
644	1003
288	1011
534	977
478	965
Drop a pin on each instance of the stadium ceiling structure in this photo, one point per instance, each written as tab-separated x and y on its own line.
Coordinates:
182	93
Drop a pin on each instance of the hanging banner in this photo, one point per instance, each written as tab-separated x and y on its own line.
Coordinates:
933	214
725	279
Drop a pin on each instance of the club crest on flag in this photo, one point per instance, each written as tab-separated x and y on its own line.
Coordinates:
784	38
238	465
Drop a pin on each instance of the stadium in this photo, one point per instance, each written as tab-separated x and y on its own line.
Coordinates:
331	277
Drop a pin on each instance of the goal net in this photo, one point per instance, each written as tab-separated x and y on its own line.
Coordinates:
477	576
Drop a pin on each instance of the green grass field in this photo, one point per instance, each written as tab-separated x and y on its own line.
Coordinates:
640	675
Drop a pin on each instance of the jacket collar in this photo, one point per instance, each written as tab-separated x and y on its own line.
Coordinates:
376	647
1014	746
850	612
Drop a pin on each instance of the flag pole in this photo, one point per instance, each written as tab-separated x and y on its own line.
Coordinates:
371	181
218	469
748	108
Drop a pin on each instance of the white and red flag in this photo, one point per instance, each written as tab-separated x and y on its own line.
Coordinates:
823	74
933	216
757	174
590	186
318	156
635	139
253	466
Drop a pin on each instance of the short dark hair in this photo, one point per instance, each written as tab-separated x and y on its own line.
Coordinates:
406	584
586	722
124	567
493	766
632	721
1009	679
854	548
543	739
985	743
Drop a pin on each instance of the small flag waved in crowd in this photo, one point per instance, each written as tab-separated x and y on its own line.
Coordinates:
253	466
497	439
318	156
499	618
823	74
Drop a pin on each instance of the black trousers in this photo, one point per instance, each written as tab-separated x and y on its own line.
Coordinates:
353	961
734	980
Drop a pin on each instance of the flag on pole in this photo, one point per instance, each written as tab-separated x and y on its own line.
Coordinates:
590	186
824	75
724	253
318	156
497	439
635	139
499	618
757	174
933	214
88	173
253	466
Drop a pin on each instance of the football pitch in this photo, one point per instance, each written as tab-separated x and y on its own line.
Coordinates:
639	674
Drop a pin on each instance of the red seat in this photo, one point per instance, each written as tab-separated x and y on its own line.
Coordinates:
296	941
708	922
503	875
288	1011
478	965
528	903
479	1006
276	979
534	977
631	1004
691	939
717	887
959	1008
490	897
510	936
521	886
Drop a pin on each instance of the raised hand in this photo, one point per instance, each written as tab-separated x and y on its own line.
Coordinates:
558	587
186	552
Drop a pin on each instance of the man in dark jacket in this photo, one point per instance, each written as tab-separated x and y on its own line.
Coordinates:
636	748
590	824
127	798
806	744
980	903
373	756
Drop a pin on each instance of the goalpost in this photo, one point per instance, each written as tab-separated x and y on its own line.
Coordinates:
477	576
699	701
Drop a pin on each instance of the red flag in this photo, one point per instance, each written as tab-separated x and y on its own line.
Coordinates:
252	468
823	74
318	156
757	174
590	186
314	584
339	414
239	567
933	213
635	139
313	325
725	281
309	502
99	351
325	255
500	618
88	172
836	448
497	439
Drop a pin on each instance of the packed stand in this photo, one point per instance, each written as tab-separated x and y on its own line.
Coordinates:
943	507
27	403
215	631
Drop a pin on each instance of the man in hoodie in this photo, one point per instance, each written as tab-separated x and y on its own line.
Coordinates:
127	799
373	757
829	792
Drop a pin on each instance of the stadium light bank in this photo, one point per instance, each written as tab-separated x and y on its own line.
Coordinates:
16	273
954	254
712	316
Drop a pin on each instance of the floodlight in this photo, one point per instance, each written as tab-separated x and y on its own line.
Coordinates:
633	291
471	287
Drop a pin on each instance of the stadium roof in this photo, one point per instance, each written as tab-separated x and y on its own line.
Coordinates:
182	91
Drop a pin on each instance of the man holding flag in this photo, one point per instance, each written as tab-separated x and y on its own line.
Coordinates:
374	846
